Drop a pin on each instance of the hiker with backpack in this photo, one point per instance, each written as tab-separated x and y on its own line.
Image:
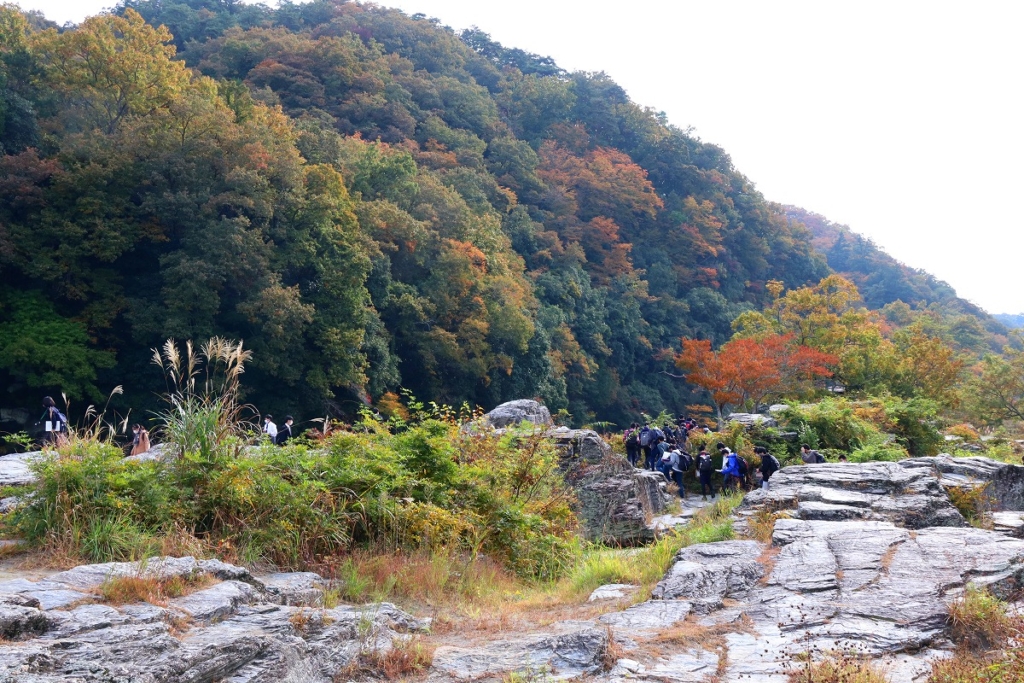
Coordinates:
705	468
680	465
631	438
55	423
730	468
646	437
744	469
810	457
769	465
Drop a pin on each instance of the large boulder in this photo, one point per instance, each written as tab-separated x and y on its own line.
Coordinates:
616	502
910	497
513	413
1005	481
753	420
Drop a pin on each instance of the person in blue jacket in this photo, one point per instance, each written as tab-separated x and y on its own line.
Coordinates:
730	468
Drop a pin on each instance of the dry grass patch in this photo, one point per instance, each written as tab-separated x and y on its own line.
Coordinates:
975	503
837	667
761	524
124	590
405	658
978	620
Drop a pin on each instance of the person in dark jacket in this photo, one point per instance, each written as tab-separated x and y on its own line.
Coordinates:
809	456
705	468
769	465
285	432
632	441
55	425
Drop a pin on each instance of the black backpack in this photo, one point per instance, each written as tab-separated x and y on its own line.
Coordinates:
685	460
818	457
633	438
706	466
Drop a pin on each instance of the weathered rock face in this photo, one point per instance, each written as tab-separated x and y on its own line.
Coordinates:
1005	481
237	630
569	650
513	413
753	419
579	446
911	497
616	502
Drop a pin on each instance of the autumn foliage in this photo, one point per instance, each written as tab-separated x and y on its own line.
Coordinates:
748	371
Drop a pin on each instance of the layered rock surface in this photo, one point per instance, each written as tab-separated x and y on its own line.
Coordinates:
240	629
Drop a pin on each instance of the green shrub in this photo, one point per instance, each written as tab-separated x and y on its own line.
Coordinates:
887	452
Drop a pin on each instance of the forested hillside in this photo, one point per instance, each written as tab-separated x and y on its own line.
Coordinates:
882	280
372	202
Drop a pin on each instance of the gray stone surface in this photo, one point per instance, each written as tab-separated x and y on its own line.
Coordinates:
752	419
579	445
911	497
514	413
706	574
14	468
617	502
653	615
568	650
295	588
1005	481
231	631
612	591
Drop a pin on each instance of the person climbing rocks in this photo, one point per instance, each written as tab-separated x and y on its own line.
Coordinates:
809	456
769	465
705	468
140	440
730	468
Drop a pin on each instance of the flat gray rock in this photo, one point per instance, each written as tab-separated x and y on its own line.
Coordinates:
215	602
570	650
910	497
653	615
295	588
232	631
612	591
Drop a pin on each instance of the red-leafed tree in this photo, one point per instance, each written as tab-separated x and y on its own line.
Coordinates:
747	371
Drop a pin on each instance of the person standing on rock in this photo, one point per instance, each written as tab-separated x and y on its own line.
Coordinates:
810	457
705	468
646	437
632	440
285	432
55	424
269	428
769	465
140	440
730	469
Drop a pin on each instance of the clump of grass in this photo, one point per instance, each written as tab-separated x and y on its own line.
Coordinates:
405	657
761	524
978	620
646	566
838	667
975	503
124	590
989	642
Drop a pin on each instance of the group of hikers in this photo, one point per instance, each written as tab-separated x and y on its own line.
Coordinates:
54	425
666	450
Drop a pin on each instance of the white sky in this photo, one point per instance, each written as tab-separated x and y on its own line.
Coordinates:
902	119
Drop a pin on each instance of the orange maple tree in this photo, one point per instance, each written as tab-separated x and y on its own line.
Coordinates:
747	371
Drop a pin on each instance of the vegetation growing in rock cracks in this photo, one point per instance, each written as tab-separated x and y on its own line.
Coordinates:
988	639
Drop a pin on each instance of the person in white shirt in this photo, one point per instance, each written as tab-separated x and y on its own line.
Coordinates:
269	428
